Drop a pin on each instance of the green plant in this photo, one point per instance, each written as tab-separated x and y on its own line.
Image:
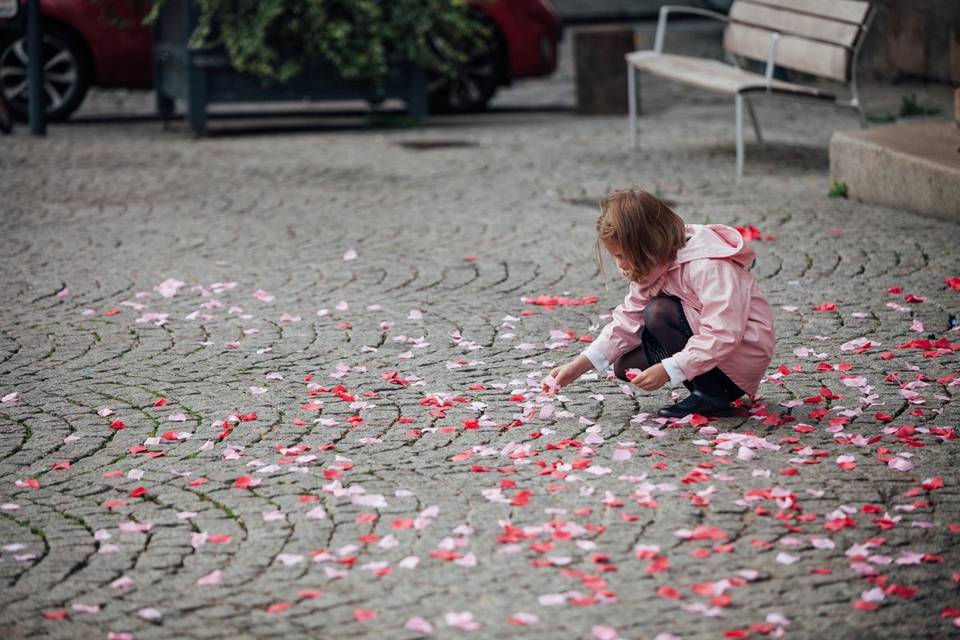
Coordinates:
126	14
910	106
838	190
881	118
277	39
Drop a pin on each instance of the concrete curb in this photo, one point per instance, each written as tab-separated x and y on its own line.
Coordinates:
910	166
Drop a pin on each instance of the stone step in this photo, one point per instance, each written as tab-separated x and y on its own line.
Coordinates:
913	166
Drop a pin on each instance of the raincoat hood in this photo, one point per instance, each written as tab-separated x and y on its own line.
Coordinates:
703	241
715	241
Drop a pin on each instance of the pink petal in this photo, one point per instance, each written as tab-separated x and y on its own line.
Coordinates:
213	578
900	464
603	632
419	625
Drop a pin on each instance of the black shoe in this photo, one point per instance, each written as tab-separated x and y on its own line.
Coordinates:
700	403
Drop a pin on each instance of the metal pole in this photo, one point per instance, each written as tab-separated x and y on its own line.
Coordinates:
738	102
632	100
37	106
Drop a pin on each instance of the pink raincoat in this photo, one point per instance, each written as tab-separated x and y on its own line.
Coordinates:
732	323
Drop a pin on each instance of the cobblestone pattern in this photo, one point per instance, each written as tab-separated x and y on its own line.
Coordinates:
108	211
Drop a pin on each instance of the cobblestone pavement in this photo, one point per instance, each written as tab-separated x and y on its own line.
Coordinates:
282	385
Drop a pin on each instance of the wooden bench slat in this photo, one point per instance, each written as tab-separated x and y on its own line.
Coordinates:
853	11
703	73
759	15
708	74
793	52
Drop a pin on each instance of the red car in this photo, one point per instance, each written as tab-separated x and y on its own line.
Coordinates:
101	43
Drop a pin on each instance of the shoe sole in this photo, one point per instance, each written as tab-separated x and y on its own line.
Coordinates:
723	413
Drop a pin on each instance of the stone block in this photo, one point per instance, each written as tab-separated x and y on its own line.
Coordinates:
910	166
601	71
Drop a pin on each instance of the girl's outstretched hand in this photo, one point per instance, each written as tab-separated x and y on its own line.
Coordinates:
652	378
565	374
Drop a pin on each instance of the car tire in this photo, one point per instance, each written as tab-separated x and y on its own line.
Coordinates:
474	83
6	118
68	73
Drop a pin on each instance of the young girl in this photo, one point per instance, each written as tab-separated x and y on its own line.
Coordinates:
693	313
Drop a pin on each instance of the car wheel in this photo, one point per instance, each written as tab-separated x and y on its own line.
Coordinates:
6	118
474	83
67	73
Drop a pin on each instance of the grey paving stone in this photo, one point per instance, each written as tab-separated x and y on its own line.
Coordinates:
109	210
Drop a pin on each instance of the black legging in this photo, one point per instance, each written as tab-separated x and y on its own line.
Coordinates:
665	332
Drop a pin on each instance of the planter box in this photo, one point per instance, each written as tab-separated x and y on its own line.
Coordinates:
201	78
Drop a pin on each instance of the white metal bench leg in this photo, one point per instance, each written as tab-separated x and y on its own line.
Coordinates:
863	117
739	117
632	99
753	119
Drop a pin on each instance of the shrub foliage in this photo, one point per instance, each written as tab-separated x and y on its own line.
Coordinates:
360	39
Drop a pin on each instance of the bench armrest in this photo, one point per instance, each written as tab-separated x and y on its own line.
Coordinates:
666	10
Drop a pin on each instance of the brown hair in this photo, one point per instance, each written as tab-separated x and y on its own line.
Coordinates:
647	231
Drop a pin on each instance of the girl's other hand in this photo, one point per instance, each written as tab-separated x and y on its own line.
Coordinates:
652	378
565	374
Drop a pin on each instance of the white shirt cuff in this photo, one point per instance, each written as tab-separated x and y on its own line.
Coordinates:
673	370
596	358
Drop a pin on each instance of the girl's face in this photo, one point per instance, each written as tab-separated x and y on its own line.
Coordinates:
617	255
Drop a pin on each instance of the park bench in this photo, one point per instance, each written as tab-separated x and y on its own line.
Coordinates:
820	38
